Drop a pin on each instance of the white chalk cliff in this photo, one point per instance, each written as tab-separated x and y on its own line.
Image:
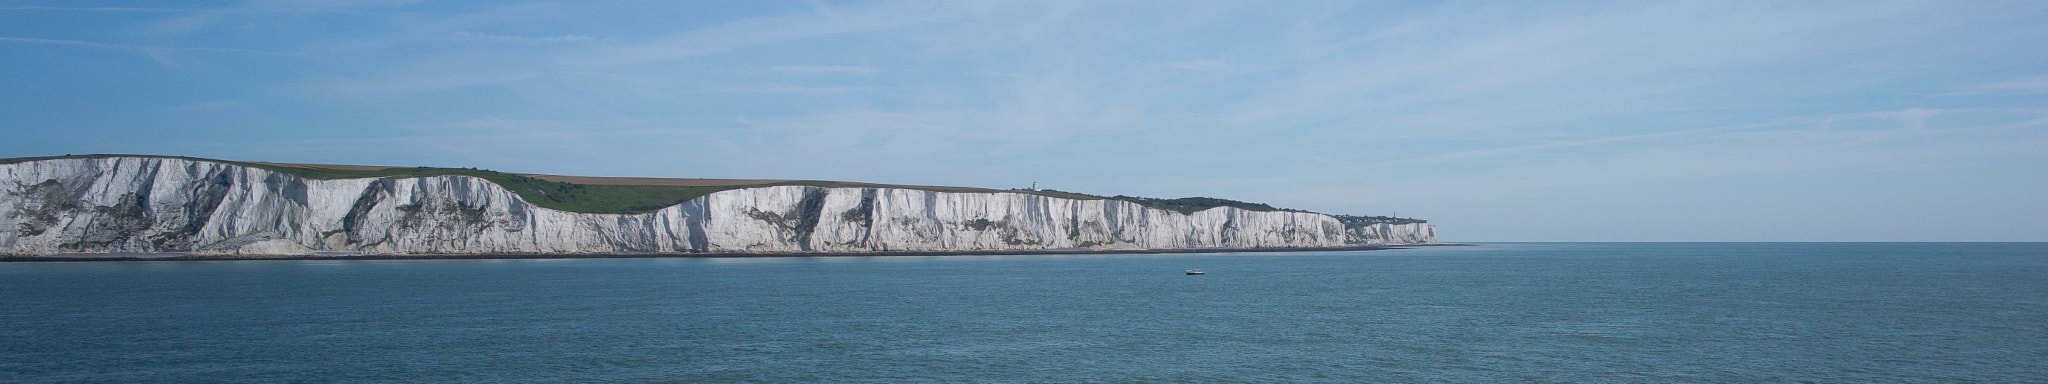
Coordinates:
170	205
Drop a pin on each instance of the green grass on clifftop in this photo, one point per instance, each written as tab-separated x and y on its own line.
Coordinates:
1183	205
572	197
1197	204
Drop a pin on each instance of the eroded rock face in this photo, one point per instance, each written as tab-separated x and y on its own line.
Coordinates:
140	204
1392	234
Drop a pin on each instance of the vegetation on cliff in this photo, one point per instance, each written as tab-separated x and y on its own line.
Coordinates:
1359	221
589	197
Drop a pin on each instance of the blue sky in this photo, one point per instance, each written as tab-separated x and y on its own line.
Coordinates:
1512	121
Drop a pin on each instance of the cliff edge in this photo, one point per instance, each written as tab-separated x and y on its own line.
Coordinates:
139	204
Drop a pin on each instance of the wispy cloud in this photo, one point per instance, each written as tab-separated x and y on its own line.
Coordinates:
383	86
763	31
163	56
2032	84
211	17
1200	65
1340	106
97	9
124	47
213	105
467	35
824	69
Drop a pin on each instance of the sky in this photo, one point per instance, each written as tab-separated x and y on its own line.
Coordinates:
1497	121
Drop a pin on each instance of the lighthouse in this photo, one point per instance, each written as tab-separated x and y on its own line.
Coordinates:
1034	186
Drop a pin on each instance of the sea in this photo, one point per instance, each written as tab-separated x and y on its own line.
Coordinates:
1496	312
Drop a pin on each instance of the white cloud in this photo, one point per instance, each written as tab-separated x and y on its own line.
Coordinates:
1200	65
571	38
124	47
1338	105
98	9
2033	84
824	69
762	31
414	83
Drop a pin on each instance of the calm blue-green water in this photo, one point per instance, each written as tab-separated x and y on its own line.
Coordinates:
1498	312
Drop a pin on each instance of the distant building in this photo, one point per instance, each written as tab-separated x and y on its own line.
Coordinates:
1034	186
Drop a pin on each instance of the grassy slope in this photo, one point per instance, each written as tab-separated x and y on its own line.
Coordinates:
611	198
1358	221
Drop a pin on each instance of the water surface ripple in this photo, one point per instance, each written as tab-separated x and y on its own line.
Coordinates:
1675	312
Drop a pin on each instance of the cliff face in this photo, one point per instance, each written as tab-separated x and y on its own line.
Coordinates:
1391	234
138	204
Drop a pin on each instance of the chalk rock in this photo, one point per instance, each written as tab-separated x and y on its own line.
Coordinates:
169	205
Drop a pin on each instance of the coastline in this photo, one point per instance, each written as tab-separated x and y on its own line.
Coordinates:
470	213
536	256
